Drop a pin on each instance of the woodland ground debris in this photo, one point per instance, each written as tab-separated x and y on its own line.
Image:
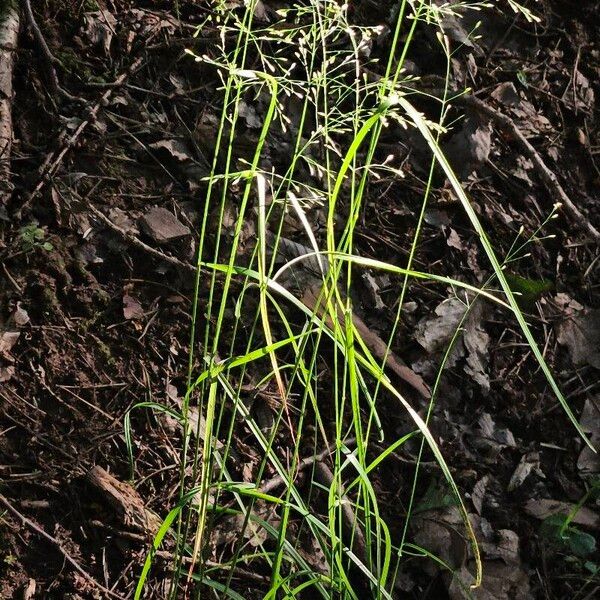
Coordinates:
107	129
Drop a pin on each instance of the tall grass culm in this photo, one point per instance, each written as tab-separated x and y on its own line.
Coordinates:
304	519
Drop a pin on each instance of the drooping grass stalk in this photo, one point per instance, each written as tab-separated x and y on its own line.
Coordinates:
487	246
409	263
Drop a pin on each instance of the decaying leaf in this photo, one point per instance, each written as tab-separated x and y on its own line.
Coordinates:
584	96
7	340
579	331
163	226
148	21
436	332
506	93
501	582
588	462
543	508
530	121
528	463
506	547
132	309
490	439
196	421
522	169
470	146
124	500
373	289
252	530
176	148
504	578
20	316
248	113
476	341
100	28
449	18
28	590
313	554
478	493
122	220
6	373
438	531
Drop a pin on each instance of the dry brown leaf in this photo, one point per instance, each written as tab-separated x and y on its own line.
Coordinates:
163	226
248	113
28	590
543	508
435	333
125	501
500	582
478	493
100	28
132	309
476	342
176	148
6	374
470	146
20	316
580	333
438	532
528	463
506	93
588	462
7	340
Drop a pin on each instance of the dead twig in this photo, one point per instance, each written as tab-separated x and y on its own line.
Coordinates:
272	484
9	30
547	177
505	123
37	529
310	298
137	243
55	158
168	556
48	59
309	286
313	299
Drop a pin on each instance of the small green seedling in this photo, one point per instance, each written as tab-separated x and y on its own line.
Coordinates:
32	237
436	497
522	77
527	291
575	543
568	538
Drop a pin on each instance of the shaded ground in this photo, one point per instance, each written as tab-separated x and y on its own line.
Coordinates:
92	324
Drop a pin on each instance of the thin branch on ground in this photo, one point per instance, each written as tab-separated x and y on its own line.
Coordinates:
37	529
137	243
277	481
64	143
48	59
9	31
547	177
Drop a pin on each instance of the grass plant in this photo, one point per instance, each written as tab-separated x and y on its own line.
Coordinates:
252	329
